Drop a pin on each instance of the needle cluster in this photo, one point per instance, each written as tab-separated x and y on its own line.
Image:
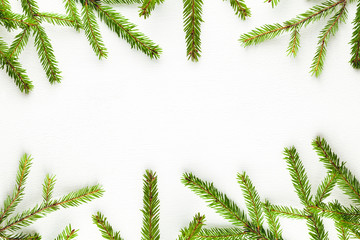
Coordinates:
80	15
334	11
12	224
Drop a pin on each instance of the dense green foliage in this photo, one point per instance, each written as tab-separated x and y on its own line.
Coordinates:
250	225
151	215
11	224
31	23
335	11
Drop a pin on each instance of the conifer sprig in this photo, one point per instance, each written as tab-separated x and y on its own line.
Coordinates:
191	232
151	210
10	224
346	219
151	216
228	208
31	23
337	13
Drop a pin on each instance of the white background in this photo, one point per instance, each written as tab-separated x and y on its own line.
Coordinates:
235	110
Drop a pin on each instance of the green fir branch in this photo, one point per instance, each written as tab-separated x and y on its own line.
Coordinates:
67	234
151	210
252	198
92	31
19	43
346	180
107	232
192	27
73	13
11	224
148	6
12	201
46	55
14	69
272	220
298	175
48	187
336	10
221	234
191	232
240	8
126	30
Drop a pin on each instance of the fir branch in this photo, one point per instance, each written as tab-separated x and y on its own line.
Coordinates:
240	8
56	19
14	69
273	220
330	29
316	228
105	228
221	234
343	233
191	232
92	32
30	7
17	222
19	43
274	3
48	187
288	212
346	180
224	206
12	201
126	30
252	199
68	234
298	175
46	55
269	31
122	1
355	40
150	229
148	6
216	200
192	22
325	188
72	12
294	43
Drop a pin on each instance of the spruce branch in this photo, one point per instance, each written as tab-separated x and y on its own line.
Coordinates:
355	40
272	220
126	30
46	55
10	224
12	201
67	234
31	23
148	6
336	10
221	234
14	69
252	199
192	22
240	8
346	180
105	228
191	232
92	31
225	207
151	210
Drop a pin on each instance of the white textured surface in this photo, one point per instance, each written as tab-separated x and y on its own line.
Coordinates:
235	110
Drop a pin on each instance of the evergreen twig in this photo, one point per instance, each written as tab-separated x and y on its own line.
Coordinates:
11	224
336	10
31	23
